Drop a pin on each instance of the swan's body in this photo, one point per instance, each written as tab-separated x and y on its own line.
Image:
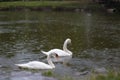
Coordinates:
60	53
37	64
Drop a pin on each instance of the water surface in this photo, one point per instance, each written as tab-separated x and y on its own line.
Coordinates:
95	41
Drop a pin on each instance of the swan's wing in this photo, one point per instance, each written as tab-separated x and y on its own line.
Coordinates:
35	65
39	65
59	52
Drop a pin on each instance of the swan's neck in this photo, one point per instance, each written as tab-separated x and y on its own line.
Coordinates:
65	48
50	62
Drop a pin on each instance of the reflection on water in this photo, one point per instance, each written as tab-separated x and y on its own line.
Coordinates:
95	39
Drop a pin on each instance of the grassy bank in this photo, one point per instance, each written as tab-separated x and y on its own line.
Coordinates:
41	4
44	5
52	6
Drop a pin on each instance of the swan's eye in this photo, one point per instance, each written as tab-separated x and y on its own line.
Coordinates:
56	55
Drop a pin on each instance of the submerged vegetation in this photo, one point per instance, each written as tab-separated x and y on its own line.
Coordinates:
48	73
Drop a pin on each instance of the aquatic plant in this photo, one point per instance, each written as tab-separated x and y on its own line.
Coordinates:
48	73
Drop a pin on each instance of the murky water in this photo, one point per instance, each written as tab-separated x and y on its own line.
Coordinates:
95	41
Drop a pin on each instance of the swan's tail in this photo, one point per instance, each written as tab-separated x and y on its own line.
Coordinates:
46	53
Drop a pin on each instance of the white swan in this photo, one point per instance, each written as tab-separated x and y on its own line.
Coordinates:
37	64
59	52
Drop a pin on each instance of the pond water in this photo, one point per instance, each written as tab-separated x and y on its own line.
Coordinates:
95	42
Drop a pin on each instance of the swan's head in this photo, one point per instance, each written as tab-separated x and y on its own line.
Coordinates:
55	55
68	40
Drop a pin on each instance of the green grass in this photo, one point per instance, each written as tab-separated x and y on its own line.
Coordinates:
40	4
50	4
110	76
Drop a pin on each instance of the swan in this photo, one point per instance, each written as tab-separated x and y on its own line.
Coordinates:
58	52
38	64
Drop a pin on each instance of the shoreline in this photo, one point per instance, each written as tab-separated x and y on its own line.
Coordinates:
74	6
60	6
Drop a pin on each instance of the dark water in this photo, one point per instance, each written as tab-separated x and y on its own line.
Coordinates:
95	41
